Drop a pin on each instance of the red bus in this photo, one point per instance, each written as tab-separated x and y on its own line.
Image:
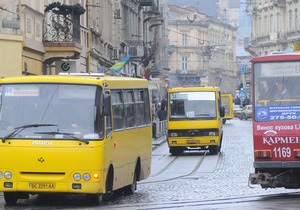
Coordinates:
276	121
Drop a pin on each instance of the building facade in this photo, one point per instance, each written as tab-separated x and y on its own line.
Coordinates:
48	37
11	40
201	50
275	25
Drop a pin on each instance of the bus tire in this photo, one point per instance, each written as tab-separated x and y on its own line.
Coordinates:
94	199
175	151
109	185
11	198
130	189
213	150
221	140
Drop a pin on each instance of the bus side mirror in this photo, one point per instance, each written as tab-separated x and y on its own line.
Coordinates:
105	107
222	111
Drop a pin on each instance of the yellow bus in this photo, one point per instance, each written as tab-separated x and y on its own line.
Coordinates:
194	119
227	103
88	134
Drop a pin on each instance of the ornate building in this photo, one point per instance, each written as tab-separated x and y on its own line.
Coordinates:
201	50
275	25
48	37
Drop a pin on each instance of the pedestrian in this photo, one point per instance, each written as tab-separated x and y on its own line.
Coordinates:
162	113
282	91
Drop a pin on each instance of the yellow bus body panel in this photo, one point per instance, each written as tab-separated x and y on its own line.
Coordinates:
203	140
55	164
228	104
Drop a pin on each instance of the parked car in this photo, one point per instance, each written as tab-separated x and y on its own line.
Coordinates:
237	110
246	112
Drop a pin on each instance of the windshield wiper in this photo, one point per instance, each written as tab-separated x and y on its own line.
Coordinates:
21	128
204	115
70	135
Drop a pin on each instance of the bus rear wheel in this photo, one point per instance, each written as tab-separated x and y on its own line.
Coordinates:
130	189
11	198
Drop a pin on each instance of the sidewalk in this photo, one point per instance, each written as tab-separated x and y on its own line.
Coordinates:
158	141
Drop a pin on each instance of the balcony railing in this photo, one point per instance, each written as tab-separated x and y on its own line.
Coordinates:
62	23
145	3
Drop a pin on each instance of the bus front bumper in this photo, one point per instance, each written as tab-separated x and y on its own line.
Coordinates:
193	142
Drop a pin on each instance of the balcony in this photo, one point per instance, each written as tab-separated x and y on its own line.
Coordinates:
61	38
61	50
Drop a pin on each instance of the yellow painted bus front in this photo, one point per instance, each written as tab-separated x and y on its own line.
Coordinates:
194	119
43	151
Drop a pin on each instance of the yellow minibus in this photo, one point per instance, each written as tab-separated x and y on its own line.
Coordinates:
194	119
88	134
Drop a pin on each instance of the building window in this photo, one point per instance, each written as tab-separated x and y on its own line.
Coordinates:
271	24
38	30
296	20
184	65
184	39
28	26
290	20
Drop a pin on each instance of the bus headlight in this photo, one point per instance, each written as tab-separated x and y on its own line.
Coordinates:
86	177
1	174
77	177
173	134
8	175
212	133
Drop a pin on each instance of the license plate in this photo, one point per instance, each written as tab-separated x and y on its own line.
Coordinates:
42	185
192	141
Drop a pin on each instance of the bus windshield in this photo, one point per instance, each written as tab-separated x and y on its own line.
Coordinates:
276	91
193	105
69	110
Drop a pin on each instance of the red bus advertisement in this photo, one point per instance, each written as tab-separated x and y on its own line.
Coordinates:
276	121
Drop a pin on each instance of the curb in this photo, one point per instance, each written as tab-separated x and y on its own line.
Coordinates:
158	141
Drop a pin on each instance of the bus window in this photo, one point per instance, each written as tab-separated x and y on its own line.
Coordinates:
139	108
118	110
177	107
192	105
108	123
129	108
146	107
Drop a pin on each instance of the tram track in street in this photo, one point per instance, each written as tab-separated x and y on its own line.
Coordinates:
172	163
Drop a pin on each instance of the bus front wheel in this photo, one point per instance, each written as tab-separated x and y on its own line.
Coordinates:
11	198
175	151
94	199
213	150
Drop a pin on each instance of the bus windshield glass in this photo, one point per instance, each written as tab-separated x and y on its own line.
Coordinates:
193	105
69	110
276	91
